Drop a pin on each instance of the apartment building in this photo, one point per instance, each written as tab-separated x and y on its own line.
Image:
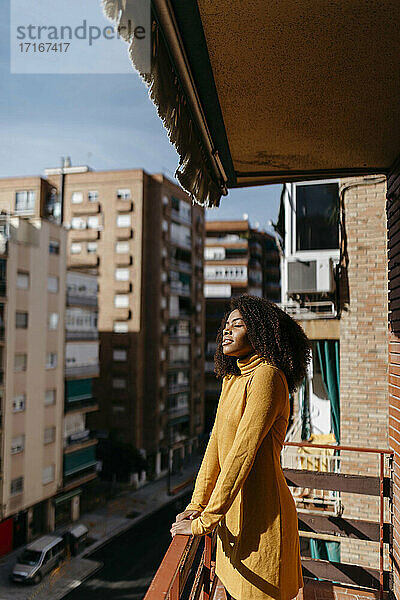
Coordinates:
334	283
237	259
145	239
81	371
32	309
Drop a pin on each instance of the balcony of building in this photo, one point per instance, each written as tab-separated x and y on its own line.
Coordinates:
84	235
79	396
89	259
187	569
180	217
79	465
123	233
78	441
81	370
229	240
123	260
124	206
76	297
86	208
299	310
179	331
181	265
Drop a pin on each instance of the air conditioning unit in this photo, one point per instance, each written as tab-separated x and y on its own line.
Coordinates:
307	276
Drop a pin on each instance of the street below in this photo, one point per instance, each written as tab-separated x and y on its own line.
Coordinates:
130	560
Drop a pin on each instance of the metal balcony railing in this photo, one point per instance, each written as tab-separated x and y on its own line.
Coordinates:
188	554
310	310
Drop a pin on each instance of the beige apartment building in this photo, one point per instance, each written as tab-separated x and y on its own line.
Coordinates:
145	239
32	309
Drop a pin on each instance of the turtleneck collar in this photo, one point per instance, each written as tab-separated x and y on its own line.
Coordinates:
249	363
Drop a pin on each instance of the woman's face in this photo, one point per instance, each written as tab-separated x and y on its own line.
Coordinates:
234	336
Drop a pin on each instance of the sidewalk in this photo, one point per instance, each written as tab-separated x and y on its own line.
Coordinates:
111	519
103	524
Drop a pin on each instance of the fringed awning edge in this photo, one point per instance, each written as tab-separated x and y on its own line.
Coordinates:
165	91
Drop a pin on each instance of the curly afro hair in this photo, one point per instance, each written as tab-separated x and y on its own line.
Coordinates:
273	335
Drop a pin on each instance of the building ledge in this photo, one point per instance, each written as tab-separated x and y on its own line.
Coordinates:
80	235
79	481
87	208
83	260
79	446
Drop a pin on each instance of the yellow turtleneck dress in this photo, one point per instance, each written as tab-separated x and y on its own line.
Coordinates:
241	490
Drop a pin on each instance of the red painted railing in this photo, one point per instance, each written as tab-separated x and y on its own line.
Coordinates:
183	552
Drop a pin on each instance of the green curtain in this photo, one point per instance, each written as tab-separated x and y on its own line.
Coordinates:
328	355
325	550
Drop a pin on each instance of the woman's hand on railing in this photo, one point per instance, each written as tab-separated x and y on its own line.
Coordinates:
183	527
187	514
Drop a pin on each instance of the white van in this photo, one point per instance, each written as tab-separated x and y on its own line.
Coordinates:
38	559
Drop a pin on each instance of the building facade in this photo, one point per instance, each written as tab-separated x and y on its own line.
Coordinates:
145	239
334	272
33	276
81	372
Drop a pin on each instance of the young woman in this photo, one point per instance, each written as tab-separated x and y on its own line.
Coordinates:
240	490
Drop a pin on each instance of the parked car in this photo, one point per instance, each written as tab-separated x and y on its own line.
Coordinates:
38	559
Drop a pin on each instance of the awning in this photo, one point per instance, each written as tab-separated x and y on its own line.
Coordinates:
267	92
67	496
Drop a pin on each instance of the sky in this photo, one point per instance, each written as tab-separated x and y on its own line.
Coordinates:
104	120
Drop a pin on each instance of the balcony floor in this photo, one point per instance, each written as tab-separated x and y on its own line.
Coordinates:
320	590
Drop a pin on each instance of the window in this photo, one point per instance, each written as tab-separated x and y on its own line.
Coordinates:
54	247
123	220
51	360
119	355
49	435
53	321
91	247
124	194
122	247
18	403
17	444
20	362
164	225
120	327
93	196
93	223
48	474
121	274
317	216
22	280
52	284
17	486
78	223
25	201
211	253
50	397
121	301
21	320
77	197
118	383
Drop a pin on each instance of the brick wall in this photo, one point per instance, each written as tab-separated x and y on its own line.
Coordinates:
364	349
393	226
